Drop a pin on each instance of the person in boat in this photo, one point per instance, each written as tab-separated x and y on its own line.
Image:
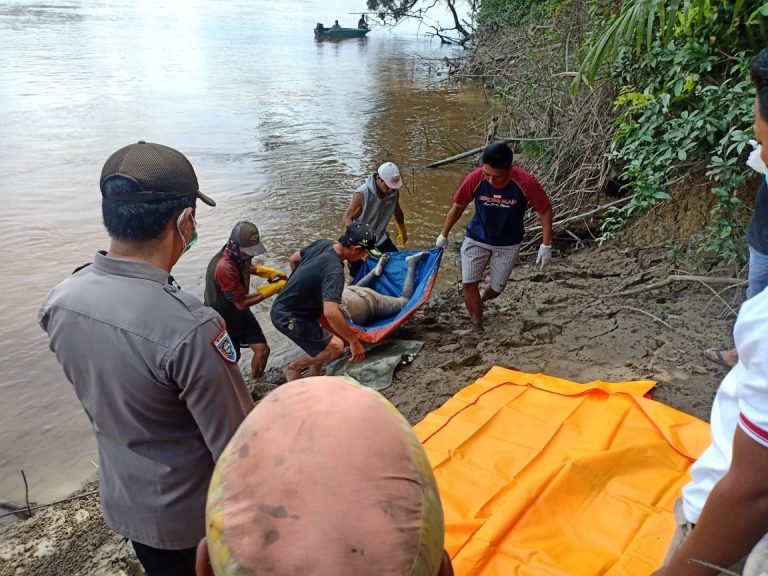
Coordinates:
314	290
362	304
227	290
153	368
324	477
336	25
374	203
362	23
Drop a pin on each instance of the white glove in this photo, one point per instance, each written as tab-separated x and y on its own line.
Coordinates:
441	241
755	161
544	256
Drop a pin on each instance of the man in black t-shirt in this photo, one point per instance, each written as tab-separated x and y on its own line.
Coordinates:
313	290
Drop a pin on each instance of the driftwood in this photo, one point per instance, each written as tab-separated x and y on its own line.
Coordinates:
706	280
28	509
480	149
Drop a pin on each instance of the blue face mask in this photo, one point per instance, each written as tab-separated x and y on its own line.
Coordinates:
192	237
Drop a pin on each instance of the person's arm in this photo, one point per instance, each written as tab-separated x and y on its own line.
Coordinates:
354	209
461	199
294	259
451	218
204	368
245	302
335	318
229	281
734	517
399	216
402	232
546	226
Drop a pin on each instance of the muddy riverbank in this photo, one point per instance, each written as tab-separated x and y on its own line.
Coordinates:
563	322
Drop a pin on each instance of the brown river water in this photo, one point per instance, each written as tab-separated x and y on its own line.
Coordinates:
280	129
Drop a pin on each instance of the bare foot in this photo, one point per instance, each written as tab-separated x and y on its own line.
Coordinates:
416	257
291	373
383	259
257	370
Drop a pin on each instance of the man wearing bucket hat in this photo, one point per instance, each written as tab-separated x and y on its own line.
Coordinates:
324	477
374	203
314	290
153	368
227	286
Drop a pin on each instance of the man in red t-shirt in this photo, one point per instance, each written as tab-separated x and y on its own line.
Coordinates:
501	193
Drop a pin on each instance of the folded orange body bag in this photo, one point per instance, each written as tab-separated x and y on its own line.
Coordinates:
542	476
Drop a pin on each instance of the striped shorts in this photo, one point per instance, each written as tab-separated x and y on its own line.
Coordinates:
475	257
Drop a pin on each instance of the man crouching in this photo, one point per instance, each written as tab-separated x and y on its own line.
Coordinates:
315	289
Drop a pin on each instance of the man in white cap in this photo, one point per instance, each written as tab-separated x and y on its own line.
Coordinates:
374	203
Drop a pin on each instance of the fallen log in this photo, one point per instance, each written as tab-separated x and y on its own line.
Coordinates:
476	150
730	282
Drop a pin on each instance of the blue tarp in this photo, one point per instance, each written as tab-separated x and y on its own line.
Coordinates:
391	284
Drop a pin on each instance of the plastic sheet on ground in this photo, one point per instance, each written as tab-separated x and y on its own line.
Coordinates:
378	367
542	476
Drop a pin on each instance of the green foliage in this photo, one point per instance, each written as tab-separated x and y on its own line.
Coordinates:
739	25
694	107
394	9
503	13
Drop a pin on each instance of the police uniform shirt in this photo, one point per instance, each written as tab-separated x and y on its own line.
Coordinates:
156	374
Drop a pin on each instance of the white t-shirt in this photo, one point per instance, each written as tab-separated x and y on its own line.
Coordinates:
741	399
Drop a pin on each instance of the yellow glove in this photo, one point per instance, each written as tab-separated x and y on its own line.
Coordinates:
268	290
402	234
269	273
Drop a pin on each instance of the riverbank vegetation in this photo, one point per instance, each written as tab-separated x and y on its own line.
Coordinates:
636	105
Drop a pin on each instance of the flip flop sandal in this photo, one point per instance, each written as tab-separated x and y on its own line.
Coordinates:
716	355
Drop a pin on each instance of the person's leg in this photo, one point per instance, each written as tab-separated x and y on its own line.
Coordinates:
253	337
259	360
159	562
757	280
474	259
473	303
315	363
503	260
410	276
757	275
375	272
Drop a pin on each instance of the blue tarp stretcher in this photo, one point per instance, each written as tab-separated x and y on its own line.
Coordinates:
391	284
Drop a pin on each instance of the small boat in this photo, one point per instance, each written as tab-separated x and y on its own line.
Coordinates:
339	33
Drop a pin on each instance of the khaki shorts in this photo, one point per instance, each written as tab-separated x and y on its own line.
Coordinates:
476	257
683	530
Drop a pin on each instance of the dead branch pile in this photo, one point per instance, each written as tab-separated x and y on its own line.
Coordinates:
529	71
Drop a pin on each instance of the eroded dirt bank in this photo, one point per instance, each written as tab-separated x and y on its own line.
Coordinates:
562	322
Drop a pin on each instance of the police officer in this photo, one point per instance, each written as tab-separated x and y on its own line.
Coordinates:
153	368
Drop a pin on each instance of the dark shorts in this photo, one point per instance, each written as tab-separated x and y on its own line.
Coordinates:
307	334
247	332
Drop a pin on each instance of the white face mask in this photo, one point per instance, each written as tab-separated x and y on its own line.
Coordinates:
192	237
755	160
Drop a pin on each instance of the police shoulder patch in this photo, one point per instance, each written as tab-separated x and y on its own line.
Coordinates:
223	345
